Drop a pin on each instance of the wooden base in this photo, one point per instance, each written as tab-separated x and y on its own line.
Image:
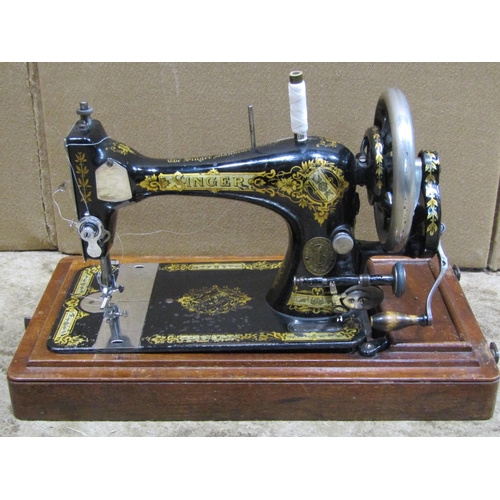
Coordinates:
443	372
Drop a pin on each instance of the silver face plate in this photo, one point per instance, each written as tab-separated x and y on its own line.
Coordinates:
133	304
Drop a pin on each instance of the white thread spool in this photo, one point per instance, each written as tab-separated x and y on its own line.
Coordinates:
298	105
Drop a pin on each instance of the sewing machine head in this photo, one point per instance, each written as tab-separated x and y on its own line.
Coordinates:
322	284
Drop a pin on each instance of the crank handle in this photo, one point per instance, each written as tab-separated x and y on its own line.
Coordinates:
390	321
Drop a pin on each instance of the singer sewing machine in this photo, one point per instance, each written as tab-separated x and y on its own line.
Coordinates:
320	296
331	299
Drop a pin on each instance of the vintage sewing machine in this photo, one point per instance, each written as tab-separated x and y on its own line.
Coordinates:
321	296
333	302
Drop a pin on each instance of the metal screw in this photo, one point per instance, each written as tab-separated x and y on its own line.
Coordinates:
495	352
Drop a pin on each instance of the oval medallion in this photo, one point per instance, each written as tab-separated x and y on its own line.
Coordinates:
319	256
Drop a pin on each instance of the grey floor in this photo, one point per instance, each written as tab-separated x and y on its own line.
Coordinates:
24	278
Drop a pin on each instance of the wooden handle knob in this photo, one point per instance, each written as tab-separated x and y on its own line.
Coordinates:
390	321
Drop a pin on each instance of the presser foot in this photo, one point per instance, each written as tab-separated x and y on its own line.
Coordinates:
112	315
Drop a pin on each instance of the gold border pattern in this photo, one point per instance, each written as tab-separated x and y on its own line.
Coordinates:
72	313
222	266
348	332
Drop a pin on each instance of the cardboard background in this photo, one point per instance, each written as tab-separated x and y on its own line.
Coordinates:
193	109
26	212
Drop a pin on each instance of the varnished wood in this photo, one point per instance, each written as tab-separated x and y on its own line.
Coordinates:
441	372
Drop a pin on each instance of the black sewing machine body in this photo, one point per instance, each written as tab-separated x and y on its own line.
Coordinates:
322	285
312	185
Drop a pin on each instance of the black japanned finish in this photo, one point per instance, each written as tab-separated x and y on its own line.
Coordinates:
311	185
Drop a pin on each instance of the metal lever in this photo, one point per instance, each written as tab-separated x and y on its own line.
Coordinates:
390	321
444	267
397	280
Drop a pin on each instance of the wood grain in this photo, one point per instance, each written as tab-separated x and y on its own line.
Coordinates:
443	372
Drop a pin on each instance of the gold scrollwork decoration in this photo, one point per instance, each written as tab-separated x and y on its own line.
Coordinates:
122	149
317	184
222	266
326	143
214	300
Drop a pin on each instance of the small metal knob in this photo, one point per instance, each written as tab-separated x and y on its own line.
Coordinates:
89	231
399	279
85	113
85	109
342	243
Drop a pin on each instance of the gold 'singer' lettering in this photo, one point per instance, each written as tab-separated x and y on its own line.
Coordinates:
210	181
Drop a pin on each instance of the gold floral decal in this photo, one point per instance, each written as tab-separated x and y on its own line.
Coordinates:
120	148
327	143
431	192
315	184
379	159
222	266
215	300
83	182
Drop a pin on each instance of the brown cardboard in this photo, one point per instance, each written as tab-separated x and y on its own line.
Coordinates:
26	217
193	109
494	256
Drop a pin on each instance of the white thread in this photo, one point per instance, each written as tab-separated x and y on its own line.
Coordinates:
62	189
119	236
298	107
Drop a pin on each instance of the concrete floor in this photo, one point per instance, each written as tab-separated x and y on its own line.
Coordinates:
24	278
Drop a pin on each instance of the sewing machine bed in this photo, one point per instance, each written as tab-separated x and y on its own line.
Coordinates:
175	370
183	307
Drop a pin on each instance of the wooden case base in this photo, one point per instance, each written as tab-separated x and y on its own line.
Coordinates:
443	372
